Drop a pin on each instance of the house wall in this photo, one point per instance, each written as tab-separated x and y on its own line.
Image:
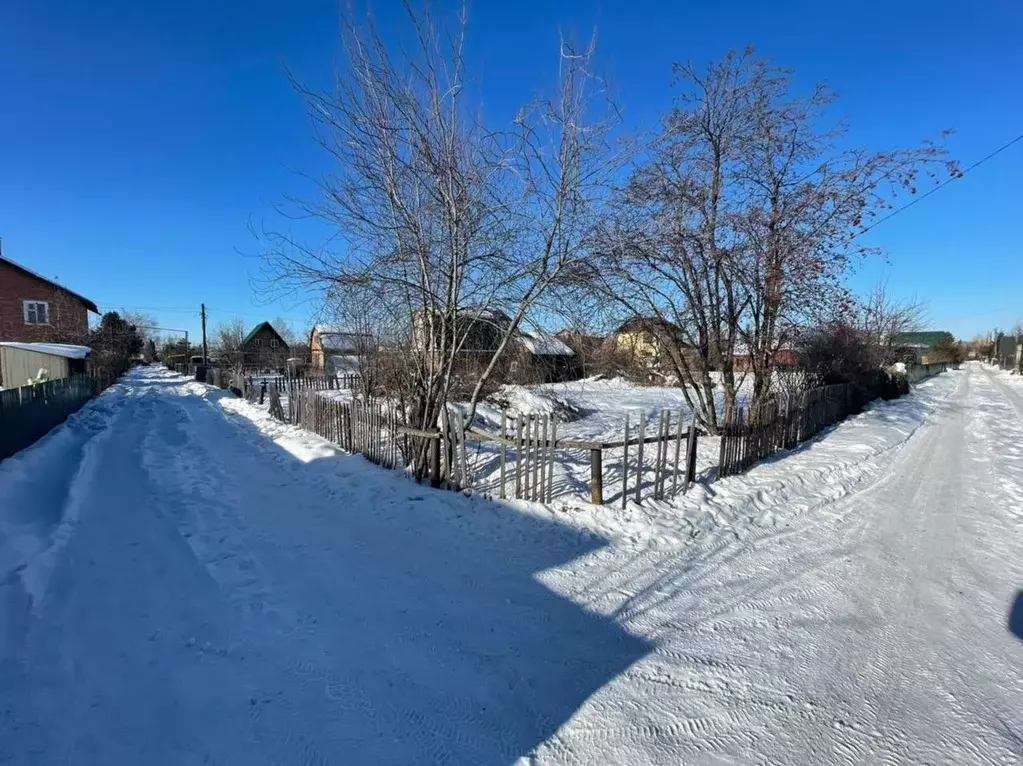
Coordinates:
641	343
69	319
317	356
259	351
18	365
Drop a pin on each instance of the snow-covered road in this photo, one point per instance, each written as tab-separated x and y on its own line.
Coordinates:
182	581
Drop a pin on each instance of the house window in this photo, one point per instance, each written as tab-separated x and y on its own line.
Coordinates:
37	312
273	342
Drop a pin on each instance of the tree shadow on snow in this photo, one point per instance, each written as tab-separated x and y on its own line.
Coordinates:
439	641
1016	616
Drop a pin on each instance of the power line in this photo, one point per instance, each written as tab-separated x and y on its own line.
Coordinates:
942	185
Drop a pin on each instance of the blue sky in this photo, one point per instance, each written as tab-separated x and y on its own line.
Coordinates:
138	141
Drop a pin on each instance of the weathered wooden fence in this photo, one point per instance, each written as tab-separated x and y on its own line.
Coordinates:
29	412
526	448
312	382
657	456
754	433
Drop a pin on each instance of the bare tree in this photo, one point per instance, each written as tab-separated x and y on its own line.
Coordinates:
227	341
445	222
289	335
739	227
883	318
144	323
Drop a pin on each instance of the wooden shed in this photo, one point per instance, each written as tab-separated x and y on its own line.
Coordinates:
21	362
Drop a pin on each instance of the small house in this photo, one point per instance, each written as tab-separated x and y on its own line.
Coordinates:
649	338
542	358
919	347
1007	350
335	350
264	348
21	363
34	309
785	357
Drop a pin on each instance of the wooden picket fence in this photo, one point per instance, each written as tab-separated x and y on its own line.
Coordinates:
665	463
365	428
527	447
313	382
786	421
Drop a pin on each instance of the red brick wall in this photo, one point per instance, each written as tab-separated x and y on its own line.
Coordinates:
69	319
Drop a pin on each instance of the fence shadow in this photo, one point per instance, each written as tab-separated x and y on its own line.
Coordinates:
421	612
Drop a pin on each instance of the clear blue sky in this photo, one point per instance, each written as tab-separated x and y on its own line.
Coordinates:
139	139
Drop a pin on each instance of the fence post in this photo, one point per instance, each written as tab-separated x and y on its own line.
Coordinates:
625	464
504	449
639	455
435	462
691	456
553	447
596	477
518	458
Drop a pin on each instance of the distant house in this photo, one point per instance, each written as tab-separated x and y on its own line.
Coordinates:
22	362
335	350
263	347
34	309
919	347
784	358
529	357
542	358
648	338
477	331
1007	351
591	350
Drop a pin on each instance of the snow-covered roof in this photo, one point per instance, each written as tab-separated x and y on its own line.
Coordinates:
338	339
53	349
542	344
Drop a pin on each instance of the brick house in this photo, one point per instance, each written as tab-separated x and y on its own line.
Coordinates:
263	347
34	309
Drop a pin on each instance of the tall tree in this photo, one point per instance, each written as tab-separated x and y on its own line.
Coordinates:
115	344
741	224
445	221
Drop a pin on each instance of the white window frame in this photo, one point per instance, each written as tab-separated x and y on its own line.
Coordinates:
34	305
273	342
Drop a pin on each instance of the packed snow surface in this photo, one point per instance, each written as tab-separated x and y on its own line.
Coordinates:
184	581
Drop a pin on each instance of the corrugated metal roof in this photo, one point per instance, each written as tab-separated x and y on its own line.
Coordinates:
54	349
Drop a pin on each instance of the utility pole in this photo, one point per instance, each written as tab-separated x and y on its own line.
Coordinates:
203	310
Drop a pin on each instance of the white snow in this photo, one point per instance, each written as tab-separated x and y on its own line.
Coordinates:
55	349
184	580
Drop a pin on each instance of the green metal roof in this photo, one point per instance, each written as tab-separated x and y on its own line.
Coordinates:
930	338
257	328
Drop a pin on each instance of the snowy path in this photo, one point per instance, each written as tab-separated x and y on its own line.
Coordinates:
873	630
178	587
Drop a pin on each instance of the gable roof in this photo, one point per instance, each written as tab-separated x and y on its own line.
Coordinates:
85	301
255	330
